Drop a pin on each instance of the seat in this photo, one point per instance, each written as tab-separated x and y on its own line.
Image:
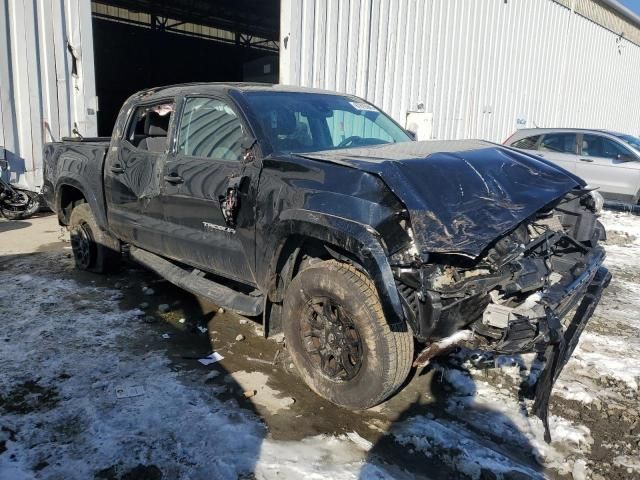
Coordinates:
156	127
281	130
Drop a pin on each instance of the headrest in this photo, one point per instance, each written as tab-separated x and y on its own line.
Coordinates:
157	125
281	121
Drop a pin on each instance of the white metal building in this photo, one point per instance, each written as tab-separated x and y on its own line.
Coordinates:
454	68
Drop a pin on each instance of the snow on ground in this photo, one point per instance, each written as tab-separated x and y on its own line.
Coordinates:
69	346
64	353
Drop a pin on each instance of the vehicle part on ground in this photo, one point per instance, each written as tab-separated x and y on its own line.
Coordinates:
17	204
339	340
94	249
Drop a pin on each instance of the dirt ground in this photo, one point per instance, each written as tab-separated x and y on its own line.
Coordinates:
72	343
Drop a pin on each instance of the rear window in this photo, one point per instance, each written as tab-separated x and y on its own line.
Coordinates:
559	143
527	143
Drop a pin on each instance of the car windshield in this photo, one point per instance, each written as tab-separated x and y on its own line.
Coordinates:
298	122
630	140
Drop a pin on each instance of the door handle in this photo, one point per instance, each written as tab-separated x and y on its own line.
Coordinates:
173	178
117	168
586	160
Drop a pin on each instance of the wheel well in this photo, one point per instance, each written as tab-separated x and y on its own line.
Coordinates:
297	253
69	198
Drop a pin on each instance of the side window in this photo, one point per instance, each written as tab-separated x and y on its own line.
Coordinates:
559	143
149	125
344	124
597	146
209	128
527	143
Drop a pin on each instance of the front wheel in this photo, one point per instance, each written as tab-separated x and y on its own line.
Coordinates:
339	339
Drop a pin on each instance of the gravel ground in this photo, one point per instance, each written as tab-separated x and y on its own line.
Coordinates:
99	378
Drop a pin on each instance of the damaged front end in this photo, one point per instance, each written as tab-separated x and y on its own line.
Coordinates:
515	296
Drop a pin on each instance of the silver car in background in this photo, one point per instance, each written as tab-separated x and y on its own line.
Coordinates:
604	159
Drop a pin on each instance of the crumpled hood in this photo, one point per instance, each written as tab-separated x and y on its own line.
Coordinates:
461	195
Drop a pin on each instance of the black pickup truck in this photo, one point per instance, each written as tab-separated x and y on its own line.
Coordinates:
318	212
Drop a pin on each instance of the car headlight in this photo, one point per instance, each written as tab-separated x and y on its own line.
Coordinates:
598	201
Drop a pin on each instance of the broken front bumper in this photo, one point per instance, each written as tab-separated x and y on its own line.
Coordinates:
558	354
547	335
542	324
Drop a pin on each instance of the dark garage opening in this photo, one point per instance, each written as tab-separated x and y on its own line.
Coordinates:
140	44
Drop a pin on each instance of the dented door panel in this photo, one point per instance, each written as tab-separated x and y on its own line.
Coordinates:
132	187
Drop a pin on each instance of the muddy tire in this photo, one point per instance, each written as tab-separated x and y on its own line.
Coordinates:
339	339
94	250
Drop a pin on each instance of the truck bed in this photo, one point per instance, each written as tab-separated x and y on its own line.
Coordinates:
75	163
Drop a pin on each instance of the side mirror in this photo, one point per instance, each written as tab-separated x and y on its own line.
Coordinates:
411	134
247	142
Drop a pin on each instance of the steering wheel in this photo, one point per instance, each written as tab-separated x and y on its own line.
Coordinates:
349	141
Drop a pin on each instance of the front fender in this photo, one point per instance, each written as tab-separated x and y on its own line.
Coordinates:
361	240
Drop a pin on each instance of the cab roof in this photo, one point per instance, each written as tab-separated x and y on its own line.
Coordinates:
215	87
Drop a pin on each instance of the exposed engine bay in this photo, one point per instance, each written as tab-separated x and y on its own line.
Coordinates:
514	298
515	294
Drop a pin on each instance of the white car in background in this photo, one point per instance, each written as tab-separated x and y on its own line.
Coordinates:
604	159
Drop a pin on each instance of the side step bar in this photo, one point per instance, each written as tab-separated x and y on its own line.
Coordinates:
192	282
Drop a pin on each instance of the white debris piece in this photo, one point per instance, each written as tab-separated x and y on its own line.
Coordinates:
129	391
212	358
363	443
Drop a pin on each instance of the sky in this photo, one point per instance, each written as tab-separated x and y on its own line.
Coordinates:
632	5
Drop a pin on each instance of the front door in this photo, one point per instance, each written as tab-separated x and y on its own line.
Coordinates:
209	191
607	164
132	176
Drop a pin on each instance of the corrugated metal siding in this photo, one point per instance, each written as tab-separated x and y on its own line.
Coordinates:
483	68
37	83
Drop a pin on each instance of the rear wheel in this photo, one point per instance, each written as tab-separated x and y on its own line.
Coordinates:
94	250
339	339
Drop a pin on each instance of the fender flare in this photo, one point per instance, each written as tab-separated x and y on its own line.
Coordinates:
364	241
88	193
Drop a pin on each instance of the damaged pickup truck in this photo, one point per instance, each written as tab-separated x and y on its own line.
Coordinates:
371	252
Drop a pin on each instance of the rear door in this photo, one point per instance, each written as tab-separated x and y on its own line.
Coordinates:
608	164
132	175
559	148
209	190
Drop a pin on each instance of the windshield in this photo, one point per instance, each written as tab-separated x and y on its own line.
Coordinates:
630	140
306	122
